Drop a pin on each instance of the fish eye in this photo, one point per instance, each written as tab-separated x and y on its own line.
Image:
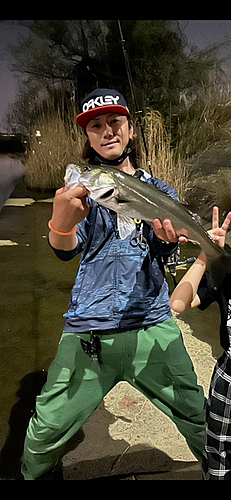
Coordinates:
86	169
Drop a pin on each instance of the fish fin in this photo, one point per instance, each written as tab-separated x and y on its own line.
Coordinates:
72	177
195	216
194	242
219	269
126	225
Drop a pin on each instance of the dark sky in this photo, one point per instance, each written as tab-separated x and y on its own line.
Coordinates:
200	34
204	33
8	33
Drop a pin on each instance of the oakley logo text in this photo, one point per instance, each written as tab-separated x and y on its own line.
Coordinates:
100	101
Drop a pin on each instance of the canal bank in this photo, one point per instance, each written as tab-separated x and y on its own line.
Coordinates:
134	439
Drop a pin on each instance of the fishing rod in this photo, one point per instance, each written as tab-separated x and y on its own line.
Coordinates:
138	112
174	261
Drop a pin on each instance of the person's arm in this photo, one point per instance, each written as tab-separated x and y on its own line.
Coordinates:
185	296
70	207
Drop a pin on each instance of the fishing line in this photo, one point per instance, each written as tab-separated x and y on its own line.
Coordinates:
138	112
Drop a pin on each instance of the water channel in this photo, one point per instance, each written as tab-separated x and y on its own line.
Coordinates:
35	289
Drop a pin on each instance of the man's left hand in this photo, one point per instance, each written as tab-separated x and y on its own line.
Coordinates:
166	232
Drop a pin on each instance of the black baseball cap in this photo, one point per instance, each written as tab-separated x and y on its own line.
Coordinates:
99	102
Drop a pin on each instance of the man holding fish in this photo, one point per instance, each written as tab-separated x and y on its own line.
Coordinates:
119	324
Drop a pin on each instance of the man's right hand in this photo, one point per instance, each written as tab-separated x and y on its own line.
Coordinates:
70	207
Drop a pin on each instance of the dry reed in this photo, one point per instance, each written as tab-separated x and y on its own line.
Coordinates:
217	190
166	163
206	121
61	142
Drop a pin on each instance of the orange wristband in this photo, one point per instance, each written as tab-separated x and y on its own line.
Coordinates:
59	232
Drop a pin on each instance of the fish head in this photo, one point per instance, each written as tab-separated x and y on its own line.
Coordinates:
102	182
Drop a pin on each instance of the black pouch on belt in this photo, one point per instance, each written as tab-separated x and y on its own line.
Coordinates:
93	347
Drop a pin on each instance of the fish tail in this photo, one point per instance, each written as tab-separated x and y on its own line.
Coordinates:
219	269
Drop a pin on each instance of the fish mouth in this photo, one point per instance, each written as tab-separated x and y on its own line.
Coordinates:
112	193
107	194
103	194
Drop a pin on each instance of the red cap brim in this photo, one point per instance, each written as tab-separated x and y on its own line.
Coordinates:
83	118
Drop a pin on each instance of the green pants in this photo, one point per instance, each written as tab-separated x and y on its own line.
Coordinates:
154	361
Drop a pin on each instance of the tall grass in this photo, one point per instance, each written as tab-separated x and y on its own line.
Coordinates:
204	127
60	143
204	138
205	121
211	190
165	161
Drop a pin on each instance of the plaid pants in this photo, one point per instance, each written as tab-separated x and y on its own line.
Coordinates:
217	455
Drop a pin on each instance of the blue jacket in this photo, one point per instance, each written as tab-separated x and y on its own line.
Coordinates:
117	286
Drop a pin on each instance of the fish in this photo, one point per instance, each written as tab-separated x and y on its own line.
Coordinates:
133	199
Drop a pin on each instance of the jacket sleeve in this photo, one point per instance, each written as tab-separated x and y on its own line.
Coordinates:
161	247
64	255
